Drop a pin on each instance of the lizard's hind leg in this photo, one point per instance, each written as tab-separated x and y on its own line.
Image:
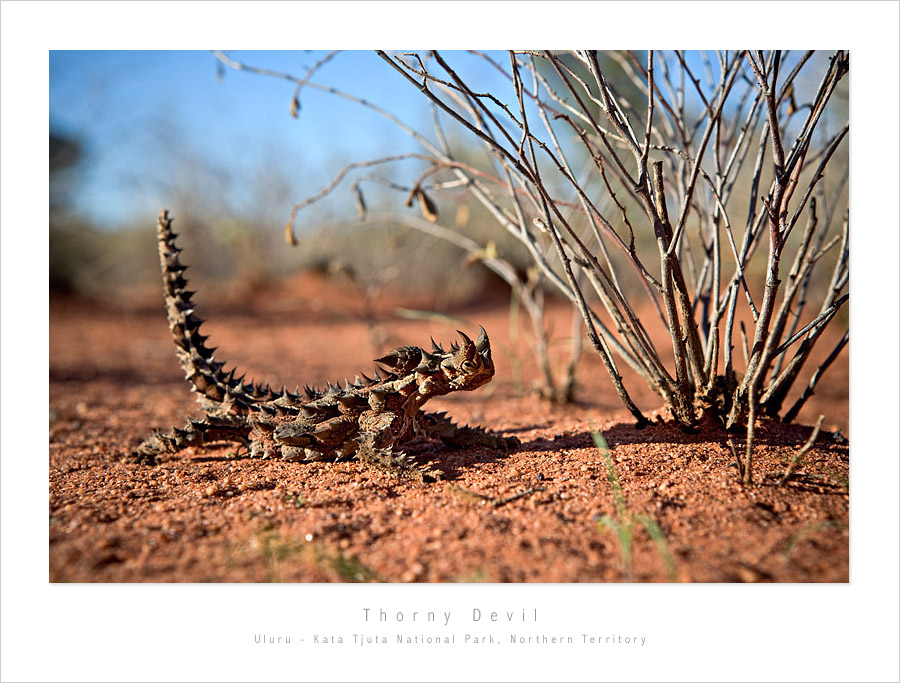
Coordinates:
194	433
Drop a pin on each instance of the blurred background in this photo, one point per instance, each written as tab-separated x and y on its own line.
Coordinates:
229	153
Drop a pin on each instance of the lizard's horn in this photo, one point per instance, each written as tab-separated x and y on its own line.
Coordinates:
467	349
482	343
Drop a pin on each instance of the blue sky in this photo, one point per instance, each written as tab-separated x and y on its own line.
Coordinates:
139	113
156	123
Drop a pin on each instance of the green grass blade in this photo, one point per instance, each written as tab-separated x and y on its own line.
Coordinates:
662	546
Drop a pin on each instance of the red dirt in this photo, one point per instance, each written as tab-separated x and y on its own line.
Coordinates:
533	515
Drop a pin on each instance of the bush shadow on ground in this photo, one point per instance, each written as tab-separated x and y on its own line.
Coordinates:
767	432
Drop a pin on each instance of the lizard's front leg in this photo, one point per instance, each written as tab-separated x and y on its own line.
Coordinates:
377	441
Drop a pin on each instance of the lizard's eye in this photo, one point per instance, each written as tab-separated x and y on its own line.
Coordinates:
467	365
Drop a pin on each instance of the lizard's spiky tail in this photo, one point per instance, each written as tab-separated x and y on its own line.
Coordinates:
220	392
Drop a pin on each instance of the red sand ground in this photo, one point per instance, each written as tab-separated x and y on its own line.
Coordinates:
533	515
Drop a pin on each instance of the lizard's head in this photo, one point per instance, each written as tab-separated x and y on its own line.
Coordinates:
465	367
469	364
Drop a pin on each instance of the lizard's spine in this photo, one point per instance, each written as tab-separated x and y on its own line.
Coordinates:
221	392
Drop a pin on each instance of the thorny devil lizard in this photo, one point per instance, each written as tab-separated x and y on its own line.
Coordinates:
368	419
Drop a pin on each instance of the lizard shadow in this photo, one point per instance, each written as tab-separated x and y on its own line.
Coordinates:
454	463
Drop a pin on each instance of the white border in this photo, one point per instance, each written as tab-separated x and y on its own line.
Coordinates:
59	632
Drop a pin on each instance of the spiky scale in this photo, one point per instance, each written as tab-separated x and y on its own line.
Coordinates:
292	434
352	402
391	359
430	363
327	431
311	411
198	340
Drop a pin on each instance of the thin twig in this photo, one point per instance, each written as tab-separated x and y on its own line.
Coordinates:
810	389
800	453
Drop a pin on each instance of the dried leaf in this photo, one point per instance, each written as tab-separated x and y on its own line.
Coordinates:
289	233
489	252
409	198
360	204
792	102
428	207
473	257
